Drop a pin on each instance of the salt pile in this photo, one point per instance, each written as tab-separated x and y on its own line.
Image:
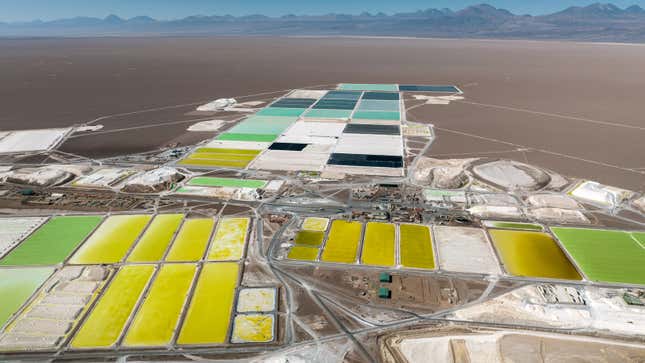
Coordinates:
640	204
442	173
552	201
217	105
438	100
559	215
42	177
103	178
512	175
205	126
305	93
603	195
485	212
153	181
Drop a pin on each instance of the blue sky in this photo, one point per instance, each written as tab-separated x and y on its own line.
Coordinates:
24	10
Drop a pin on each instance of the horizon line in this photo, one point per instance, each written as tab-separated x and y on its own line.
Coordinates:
114	14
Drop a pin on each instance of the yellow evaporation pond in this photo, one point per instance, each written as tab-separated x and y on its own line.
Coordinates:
315	224
112	240
342	242
154	324
209	314
533	254
105	323
303	253
416	246
253	328
154	242
229	240
379	244
309	238
191	241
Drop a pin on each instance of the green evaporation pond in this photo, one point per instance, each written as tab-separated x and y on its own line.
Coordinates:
281	111
227	182
53	242
513	225
606	255
16	286
247	137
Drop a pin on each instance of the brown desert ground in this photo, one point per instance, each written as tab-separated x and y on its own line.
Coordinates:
575	108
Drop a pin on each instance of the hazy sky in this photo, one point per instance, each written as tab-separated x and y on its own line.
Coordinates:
23	10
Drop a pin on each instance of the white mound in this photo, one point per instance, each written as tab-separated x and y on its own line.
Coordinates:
153	181
599	194
205	126
217	105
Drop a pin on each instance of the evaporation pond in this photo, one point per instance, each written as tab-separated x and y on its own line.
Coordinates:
208	318
191	241
416	246
342	243
532	254
154	324
309	238
112	240
315	224
106	321
379	244
303	253
16	286
52	242
606	255
154	242
230	238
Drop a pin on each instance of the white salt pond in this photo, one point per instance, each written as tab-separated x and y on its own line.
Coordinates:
464	249
31	140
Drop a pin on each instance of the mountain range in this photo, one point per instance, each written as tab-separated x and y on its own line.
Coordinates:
597	22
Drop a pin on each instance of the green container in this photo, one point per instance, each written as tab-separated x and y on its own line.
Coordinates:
247	137
385	277
384	293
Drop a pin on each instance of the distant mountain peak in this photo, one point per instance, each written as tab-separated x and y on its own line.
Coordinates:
593	10
113	19
608	22
635	9
485	10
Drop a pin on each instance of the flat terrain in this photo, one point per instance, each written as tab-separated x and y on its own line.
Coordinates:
572	107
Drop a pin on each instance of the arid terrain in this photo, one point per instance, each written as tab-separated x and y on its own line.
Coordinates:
571	107
321	199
